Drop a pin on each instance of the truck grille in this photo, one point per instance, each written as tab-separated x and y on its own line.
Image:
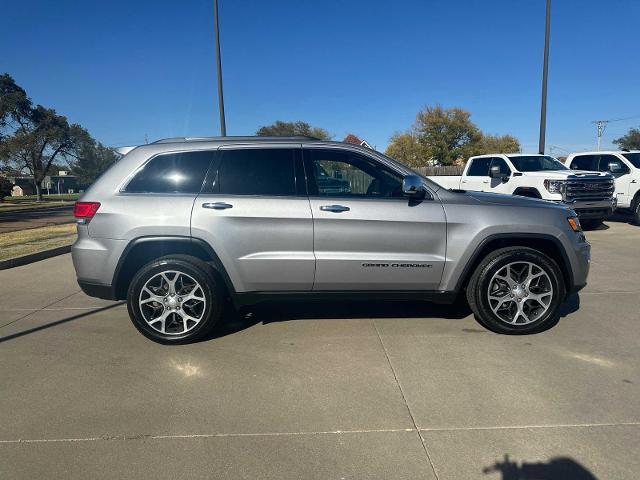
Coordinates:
584	189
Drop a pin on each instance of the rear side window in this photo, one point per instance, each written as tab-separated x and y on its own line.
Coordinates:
256	171
479	167
172	173
585	162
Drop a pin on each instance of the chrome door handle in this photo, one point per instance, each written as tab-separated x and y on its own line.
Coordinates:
217	205
334	208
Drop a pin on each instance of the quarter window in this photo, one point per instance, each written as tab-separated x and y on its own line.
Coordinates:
257	171
172	173
336	173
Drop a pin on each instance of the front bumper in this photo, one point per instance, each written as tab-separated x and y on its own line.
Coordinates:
592	208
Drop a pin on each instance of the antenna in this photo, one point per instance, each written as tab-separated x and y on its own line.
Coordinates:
601	125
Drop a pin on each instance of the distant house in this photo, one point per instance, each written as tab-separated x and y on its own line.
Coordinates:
61	183
351	138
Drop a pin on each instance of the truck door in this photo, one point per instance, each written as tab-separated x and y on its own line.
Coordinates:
476	177
623	177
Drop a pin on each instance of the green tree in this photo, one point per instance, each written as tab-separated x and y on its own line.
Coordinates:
406	148
92	158
447	134
630	141
33	137
5	187
496	144
292	129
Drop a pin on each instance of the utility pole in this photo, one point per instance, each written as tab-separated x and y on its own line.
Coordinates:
600	126
545	72
223	126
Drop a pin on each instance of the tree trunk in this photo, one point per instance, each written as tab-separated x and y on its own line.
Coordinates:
38	192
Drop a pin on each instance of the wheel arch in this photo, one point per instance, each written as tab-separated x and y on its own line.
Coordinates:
547	244
529	192
143	250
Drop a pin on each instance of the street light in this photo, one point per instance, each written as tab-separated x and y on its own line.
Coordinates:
545	71
223	126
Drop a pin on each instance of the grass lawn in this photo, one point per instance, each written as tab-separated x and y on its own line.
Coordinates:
15	206
23	242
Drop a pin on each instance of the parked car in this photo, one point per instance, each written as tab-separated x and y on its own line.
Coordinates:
624	165
588	193
179	226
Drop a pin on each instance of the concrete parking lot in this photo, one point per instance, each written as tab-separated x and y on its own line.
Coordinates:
339	391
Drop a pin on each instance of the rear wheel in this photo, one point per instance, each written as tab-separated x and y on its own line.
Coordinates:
174	300
636	211
516	290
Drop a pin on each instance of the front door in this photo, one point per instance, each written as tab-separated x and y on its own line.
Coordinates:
477	177
255	214
367	235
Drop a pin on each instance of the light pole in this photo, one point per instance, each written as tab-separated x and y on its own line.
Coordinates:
545	71
223	126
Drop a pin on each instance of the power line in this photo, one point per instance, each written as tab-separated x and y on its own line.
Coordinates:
601	126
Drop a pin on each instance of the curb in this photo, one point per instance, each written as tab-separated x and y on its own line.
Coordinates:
34	257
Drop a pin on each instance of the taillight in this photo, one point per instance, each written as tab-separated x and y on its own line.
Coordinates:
84	211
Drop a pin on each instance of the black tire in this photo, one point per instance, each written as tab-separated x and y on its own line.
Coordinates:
192	269
635	212
478	290
591	223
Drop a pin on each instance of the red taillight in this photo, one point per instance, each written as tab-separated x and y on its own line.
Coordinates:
85	210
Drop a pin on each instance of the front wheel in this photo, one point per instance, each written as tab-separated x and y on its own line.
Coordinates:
174	300
516	290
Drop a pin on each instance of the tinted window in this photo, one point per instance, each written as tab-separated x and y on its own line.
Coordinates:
584	162
343	173
536	163
605	160
634	158
172	173
479	167
504	168
257	172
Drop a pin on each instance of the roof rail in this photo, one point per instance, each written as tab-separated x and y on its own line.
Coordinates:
231	138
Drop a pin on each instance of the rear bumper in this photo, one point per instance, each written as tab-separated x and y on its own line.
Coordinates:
98	290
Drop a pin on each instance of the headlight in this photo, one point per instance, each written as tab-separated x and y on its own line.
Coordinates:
554	186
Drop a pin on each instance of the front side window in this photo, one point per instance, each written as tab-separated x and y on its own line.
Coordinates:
341	173
504	168
172	173
257	171
536	163
634	158
479	167
584	162
605	160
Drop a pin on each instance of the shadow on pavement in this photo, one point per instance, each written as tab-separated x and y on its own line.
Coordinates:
558	468
58	322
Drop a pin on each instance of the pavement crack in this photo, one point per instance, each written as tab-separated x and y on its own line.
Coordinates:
404	399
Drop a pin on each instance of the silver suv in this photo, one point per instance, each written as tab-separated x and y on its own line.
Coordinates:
179	226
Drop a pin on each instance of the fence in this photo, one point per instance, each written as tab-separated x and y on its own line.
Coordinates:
443	170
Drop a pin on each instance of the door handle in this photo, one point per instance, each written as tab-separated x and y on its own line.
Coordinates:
217	205
485	181
334	208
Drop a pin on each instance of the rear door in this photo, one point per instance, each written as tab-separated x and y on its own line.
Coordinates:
367	235
255	214
477	176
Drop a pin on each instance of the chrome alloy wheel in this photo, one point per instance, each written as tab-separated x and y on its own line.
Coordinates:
172	302
520	293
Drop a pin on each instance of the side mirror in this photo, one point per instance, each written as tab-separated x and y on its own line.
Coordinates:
412	186
615	167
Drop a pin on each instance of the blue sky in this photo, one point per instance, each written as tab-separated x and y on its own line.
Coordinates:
124	69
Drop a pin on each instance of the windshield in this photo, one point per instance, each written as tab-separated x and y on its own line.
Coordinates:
634	158
536	163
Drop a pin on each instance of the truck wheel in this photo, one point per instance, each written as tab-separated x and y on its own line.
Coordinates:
516	290
174	300
591	223
636	212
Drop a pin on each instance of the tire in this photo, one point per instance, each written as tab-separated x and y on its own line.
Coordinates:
182	314
591	223
514	317
635	212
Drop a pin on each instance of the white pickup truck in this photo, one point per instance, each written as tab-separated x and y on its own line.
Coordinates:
589	193
623	165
